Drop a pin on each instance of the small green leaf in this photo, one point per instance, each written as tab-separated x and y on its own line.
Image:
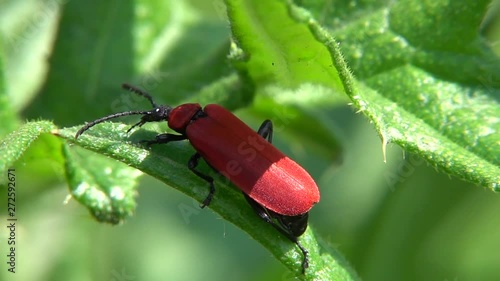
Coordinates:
13	145
106	188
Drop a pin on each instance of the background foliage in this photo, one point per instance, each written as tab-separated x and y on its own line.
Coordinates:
426	77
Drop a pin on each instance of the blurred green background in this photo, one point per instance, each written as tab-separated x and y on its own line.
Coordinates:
399	220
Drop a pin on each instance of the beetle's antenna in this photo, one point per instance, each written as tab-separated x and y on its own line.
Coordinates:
100	120
140	92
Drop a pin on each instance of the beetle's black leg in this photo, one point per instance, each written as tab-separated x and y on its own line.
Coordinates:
286	226
164	138
305	252
266	130
192	164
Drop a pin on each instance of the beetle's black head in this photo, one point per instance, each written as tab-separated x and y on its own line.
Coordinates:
294	225
158	113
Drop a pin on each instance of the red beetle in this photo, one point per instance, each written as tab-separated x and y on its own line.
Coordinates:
277	188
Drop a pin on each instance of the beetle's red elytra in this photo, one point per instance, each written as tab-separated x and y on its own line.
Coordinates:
250	162
279	190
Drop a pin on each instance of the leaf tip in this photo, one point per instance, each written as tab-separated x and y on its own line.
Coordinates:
384	147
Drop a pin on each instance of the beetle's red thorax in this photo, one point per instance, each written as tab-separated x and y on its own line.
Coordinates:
252	163
182	115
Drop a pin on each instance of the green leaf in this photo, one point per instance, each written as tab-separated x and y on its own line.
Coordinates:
456	130
16	143
277	48
422	90
168	163
106	188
